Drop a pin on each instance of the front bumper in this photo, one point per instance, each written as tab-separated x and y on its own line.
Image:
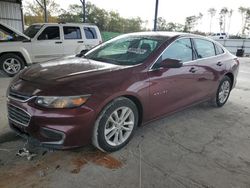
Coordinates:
53	128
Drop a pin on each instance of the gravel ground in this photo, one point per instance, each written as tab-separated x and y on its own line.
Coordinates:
198	147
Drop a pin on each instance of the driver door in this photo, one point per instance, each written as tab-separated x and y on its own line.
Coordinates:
48	45
173	88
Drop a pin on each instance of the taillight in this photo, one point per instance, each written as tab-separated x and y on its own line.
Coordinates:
237	60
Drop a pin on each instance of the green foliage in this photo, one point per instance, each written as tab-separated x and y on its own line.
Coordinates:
109	35
171	26
191	22
105	20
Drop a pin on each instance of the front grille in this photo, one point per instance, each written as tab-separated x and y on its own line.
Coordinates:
18	96
18	115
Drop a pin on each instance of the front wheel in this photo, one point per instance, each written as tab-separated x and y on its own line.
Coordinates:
11	64
115	125
223	92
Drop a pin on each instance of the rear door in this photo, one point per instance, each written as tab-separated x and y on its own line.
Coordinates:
173	88
211	66
92	36
48	44
72	40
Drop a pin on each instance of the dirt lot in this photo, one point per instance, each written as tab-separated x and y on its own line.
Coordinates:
198	147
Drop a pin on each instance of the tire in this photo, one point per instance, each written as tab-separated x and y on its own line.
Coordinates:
105	126
222	95
11	64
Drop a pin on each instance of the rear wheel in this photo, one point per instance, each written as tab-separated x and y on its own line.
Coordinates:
223	92
115	125
11	64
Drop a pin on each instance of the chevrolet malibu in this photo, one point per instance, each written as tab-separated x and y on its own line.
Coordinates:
103	96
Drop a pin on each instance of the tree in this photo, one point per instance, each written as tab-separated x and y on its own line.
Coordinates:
212	13
35	13
222	21
245	15
230	13
191	22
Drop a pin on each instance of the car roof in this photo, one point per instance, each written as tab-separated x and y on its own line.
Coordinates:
166	34
67	24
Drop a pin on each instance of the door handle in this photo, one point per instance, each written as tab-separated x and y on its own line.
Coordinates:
80	41
219	64
59	42
192	70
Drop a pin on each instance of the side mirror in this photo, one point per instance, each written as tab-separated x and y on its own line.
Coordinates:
171	63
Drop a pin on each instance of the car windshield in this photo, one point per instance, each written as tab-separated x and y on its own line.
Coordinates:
32	30
128	50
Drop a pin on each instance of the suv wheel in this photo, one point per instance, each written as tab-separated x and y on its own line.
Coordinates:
115	125
11	64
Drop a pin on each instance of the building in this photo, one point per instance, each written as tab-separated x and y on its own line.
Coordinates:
11	13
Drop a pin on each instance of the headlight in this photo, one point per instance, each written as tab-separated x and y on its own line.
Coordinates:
61	102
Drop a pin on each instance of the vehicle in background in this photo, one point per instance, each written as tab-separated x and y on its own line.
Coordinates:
219	36
127	81
42	42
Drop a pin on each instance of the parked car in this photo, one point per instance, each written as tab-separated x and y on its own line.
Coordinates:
43	42
117	86
219	36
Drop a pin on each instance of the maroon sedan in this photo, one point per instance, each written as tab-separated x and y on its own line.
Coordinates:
102	96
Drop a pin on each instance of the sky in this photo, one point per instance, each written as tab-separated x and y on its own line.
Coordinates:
171	10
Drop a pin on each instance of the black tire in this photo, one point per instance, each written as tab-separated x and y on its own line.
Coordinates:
215	100
98	138
18	61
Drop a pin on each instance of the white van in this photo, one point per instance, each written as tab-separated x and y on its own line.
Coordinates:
42	42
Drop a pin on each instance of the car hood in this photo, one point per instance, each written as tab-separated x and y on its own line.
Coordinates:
10	30
65	69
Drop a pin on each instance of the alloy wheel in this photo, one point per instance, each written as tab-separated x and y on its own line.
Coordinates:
11	66
224	91
119	126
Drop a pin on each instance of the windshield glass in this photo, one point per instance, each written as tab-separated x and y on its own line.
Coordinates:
128	50
32	30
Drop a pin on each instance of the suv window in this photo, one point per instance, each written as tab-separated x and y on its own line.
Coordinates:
180	49
32	30
204	48
90	33
72	32
50	33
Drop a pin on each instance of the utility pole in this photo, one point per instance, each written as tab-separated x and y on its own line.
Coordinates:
156	14
45	12
83	10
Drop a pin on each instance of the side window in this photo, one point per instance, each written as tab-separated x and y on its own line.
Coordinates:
204	48
50	33
180	49
90	33
218	49
72	32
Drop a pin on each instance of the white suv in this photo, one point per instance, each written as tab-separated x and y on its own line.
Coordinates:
219	36
43	42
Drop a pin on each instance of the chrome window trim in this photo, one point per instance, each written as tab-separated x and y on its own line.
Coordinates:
15	121
191	37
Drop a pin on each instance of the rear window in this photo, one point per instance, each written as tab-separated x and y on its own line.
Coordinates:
218	49
72	32
204	48
90	33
